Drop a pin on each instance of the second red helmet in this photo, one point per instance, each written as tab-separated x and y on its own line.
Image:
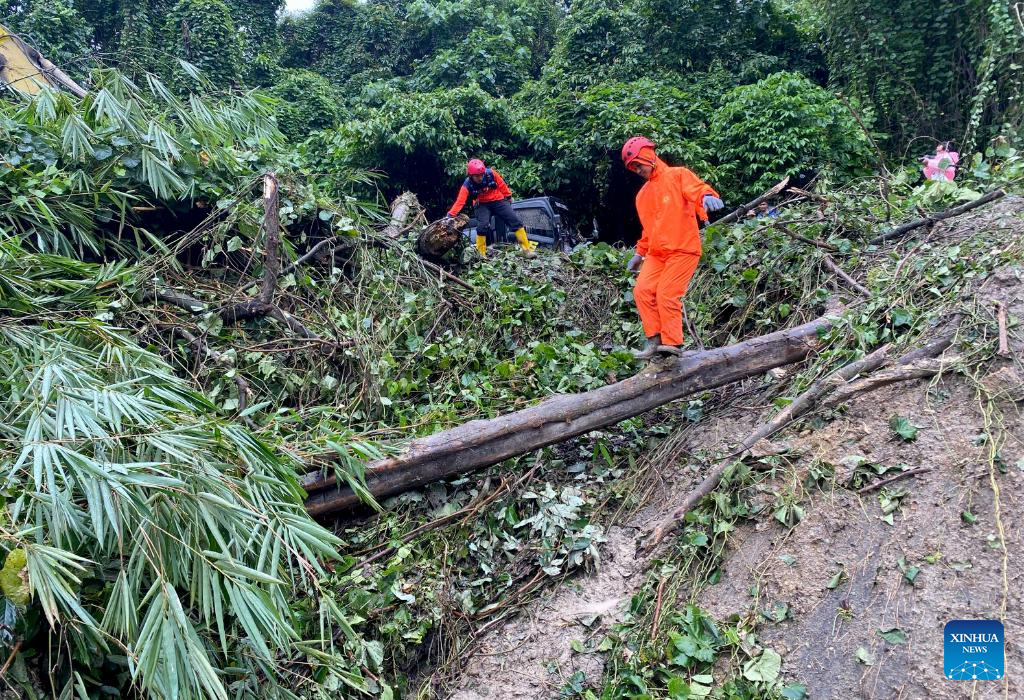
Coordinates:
475	167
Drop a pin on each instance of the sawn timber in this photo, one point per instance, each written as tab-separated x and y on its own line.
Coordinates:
481	443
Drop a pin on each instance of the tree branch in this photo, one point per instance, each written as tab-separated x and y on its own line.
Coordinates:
803	239
220	358
885	482
801	404
174	299
1004	344
751	205
906	228
859	288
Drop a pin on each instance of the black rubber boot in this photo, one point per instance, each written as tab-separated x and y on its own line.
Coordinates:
650	348
673	350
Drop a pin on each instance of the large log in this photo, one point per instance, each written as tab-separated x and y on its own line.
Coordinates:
481	443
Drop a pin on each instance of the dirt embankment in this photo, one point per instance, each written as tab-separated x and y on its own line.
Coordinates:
951	551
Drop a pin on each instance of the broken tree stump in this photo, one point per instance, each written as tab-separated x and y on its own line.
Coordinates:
404	208
481	443
440	237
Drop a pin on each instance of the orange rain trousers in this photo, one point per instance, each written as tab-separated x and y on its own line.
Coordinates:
659	291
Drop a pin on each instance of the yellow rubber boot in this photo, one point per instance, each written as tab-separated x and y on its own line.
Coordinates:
481	245
525	243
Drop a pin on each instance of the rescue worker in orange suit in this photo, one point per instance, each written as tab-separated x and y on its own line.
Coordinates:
669	205
490	196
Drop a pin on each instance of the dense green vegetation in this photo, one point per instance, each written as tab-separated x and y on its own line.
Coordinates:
153	537
546	91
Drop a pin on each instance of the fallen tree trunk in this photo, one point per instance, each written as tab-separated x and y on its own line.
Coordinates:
405	207
481	443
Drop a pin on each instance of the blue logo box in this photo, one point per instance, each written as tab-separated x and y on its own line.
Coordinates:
974	650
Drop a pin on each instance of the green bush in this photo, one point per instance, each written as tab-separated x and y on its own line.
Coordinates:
781	125
202	33
421	141
577	136
308	103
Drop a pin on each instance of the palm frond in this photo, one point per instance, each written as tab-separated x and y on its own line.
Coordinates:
113	465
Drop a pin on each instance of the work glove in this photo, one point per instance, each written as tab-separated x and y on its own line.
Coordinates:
712	203
633	267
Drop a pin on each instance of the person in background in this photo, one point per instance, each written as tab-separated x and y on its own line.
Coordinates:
669	204
486	190
941	166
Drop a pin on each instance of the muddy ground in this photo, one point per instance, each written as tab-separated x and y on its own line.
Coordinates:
946	528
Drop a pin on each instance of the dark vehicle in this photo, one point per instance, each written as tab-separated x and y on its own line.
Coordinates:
547	220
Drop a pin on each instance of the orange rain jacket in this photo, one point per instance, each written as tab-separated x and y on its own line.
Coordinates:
669	204
493	194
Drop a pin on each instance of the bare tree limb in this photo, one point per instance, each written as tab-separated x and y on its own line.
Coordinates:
885	482
919	369
857	286
804	239
272	235
1004	342
742	211
313	252
400	210
906	228
173	298
203	348
429	265
799	405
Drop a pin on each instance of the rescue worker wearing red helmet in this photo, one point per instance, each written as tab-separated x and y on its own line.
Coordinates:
490	196
669	204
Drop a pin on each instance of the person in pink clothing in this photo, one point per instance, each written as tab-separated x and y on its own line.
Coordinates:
941	165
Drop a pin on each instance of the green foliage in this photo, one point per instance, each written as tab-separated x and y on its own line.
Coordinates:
135	46
672	41
73	168
256	22
597	41
572	134
781	125
203	33
749	38
163	542
308	103
56	29
903	428
996	102
343	40
422	140
506	45
931	67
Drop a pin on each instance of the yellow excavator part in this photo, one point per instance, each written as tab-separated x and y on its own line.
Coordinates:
25	69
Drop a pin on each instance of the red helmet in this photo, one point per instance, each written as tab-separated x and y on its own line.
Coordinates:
631	149
475	167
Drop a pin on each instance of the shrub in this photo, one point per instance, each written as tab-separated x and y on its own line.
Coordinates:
781	125
308	103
